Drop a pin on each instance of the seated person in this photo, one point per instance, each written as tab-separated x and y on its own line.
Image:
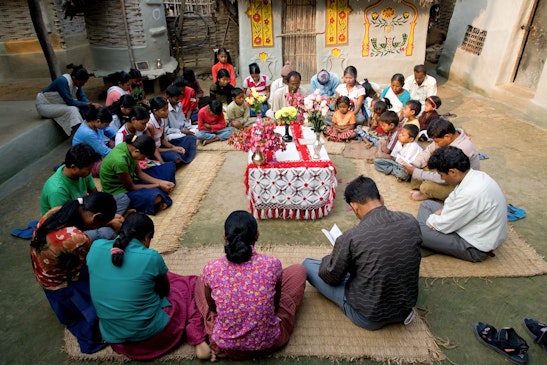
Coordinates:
405	150
261	83
144	310
221	90
188	100
290	90
343	122
429	183
72	180
326	82
94	131
120	173
238	113
420	85
253	313
473	220
58	252
374	285
121	86
178	129
212	125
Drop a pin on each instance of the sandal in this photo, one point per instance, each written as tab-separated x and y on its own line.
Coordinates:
537	330
514	213
505	341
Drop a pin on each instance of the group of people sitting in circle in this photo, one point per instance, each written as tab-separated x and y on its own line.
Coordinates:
91	250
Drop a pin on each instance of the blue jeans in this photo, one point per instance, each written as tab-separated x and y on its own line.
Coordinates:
335	293
222	134
389	166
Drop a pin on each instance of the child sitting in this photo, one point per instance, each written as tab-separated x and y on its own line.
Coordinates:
221	90
260	82
411	109
179	130
405	151
371	133
222	55
237	112
389	121
343	121
191	81
137	88
430	113
188	99
211	124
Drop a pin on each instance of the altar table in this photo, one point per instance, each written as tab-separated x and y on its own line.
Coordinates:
294	185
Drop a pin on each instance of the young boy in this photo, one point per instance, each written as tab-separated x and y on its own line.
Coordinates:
72	180
389	121
212	125
178	130
188	100
237	112
410	111
405	151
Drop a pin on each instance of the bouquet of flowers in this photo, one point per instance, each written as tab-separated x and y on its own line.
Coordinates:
297	101
255	101
258	138
287	114
316	108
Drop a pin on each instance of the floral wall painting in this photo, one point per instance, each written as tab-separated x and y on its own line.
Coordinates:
337	12
266	62
389	29
335	59
261	17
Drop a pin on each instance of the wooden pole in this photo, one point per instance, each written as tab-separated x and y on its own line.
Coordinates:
35	8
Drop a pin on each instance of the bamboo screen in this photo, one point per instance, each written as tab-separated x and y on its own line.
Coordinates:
299	36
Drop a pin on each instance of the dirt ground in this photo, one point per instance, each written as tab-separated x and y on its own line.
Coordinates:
516	150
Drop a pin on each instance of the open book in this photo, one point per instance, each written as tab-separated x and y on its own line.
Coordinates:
333	234
400	159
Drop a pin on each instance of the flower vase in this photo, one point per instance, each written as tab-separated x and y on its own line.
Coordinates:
317	145
287	137
258	158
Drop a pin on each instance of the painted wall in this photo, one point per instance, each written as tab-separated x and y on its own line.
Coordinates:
378	65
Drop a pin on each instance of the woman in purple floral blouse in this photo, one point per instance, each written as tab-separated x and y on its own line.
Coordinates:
247	300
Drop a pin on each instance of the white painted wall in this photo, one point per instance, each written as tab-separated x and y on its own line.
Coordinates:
376	69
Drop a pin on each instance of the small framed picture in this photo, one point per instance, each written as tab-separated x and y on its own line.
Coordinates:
143	65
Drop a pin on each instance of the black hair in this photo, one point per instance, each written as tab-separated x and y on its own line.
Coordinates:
81	155
179	82
119	77
215	106
189	75
415	105
361	190
139	113
136	225
435	100
390	117
101	113
144	143
241	231
222	73
69	216
420	69
412	130
440	127
253	68
236	91
127	101
292	74
388	103
448	157
352	71
222	50
78	72
157	103
369	90
343	99
135	74
173	90
398	77
380	106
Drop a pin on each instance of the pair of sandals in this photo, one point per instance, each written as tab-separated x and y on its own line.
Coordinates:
508	343
514	213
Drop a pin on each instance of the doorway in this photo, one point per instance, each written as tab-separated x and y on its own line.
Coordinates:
299	36
533	56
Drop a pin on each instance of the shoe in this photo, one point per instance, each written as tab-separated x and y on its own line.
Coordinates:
514	213
537	330
506	342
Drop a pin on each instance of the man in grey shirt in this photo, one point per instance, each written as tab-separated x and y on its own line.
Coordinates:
372	273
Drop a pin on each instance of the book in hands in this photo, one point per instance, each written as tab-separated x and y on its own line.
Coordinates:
401	160
333	234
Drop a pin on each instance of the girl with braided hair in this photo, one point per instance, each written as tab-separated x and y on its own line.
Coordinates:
144	310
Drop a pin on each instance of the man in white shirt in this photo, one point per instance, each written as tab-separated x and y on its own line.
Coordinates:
473	221
420	85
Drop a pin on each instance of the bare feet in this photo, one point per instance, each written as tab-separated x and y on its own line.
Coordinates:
209	141
370	160
368	144
128	212
203	352
418	195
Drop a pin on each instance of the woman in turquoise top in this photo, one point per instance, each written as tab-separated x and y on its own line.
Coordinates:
396	94
144	311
